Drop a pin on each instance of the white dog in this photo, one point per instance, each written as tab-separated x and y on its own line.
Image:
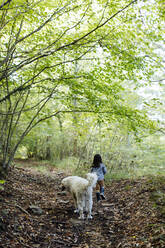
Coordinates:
81	190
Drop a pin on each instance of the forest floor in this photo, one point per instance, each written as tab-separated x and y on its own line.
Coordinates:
35	213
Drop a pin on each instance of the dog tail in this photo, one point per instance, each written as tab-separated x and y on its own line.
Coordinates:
92	179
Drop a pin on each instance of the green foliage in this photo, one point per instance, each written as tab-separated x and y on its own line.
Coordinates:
69	164
2	182
74	57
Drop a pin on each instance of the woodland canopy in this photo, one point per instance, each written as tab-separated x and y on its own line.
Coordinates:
78	77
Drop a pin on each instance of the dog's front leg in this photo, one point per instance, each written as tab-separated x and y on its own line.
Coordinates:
75	203
81	217
89	216
89	210
80	208
89	204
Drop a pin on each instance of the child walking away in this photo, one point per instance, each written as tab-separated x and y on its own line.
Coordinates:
100	169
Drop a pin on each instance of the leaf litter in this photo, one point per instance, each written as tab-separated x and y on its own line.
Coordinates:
35	213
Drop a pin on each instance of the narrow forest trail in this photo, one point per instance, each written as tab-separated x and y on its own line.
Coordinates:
35	213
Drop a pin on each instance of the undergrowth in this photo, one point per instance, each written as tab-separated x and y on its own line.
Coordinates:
74	166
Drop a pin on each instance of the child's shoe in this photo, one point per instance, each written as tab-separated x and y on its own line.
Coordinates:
102	193
98	196
102	196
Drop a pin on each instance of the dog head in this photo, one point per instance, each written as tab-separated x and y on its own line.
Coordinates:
63	188
64	184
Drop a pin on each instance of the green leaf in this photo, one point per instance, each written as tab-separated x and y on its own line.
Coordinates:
2	181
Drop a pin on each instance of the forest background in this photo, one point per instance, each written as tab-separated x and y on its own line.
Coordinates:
83	77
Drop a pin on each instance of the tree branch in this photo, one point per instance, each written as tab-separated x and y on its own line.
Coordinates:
5	3
48	53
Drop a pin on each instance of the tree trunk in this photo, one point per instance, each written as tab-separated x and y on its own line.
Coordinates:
3	170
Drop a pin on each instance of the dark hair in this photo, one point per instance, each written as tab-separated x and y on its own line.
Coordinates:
97	160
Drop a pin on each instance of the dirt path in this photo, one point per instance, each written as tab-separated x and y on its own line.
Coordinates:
33	213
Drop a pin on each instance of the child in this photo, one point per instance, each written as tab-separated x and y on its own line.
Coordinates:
100	170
